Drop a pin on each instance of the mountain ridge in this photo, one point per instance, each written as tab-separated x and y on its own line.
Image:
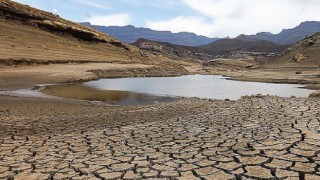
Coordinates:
286	36
130	34
223	47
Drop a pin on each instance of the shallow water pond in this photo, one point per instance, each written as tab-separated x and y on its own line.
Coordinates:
137	90
82	92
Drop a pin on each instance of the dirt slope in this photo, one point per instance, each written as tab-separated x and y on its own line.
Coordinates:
225	46
306	53
29	35
173	50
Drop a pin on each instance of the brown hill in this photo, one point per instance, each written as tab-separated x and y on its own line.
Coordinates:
223	47
29	35
172	50
226	46
306	53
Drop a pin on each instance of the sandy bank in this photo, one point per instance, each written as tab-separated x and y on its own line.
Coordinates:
310	77
27	76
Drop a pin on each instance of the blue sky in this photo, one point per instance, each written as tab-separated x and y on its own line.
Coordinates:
213	18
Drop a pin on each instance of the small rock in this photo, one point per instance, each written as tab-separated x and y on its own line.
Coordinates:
311	42
249	66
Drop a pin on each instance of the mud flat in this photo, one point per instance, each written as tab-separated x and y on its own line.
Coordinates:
255	137
12	77
310	77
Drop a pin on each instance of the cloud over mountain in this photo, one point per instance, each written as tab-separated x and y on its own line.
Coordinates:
232	17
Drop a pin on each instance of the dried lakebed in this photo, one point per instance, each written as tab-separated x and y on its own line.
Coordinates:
252	138
259	137
128	91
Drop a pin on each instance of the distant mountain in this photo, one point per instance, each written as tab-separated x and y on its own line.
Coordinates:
173	50
286	36
226	46
223	47
130	34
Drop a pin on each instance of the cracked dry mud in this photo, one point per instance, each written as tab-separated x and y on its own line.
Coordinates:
252	138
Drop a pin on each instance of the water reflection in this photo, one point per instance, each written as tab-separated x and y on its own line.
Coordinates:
127	91
81	92
202	86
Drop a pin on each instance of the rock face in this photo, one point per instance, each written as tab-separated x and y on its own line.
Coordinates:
286	36
130	34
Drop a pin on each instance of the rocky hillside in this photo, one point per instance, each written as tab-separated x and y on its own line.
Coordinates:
219	48
286	36
306	53
130	34
173	50
226	46
29	35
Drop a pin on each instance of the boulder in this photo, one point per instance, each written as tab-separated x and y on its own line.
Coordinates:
299	57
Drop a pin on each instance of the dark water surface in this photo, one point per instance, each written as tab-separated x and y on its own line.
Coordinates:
82	92
163	89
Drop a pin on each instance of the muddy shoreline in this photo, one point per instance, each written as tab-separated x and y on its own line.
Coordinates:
26	76
310	77
12	78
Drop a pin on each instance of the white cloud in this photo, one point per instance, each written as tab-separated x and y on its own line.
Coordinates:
182	24
92	4
110	20
55	10
160	4
234	17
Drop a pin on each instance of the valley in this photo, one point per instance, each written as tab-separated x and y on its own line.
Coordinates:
187	137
